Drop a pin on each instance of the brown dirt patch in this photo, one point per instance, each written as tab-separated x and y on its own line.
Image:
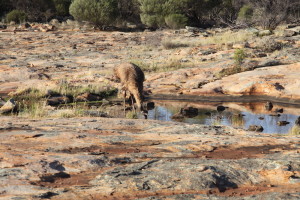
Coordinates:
236	153
63	180
244	152
230	192
101	132
114	149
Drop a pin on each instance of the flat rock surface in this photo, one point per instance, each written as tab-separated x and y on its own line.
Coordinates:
43	59
100	158
103	158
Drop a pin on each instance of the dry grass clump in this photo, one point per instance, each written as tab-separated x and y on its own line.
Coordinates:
34	109
239	57
71	25
279	31
33	102
170	65
174	44
229	71
269	45
131	115
228	37
67	89
295	130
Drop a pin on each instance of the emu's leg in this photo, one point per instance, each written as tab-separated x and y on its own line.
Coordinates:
137	98
132	103
124	99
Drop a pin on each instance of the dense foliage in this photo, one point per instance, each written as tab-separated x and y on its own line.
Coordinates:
99	12
16	16
160	13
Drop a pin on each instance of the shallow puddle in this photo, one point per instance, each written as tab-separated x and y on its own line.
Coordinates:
239	115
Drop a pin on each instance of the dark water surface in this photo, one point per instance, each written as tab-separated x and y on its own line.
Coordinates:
239	115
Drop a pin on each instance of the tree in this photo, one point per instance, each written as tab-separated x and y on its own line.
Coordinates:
225	12
176	21
62	7
129	11
175	11
5	7
245	15
36	10
99	12
270	13
152	12
16	16
205	12
161	13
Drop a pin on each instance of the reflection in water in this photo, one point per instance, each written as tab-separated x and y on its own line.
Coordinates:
295	130
160	113
230	117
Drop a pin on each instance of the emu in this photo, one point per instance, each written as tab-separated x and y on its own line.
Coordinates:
131	78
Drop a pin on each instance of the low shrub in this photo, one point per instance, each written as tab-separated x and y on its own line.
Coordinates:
229	71
269	45
176	21
245	14
173	44
17	16
239	56
131	115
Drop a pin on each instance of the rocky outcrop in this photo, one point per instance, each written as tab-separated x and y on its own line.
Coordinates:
98	158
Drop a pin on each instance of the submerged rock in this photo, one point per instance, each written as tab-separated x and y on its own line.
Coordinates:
221	108
282	123
189	112
256	128
269	106
149	105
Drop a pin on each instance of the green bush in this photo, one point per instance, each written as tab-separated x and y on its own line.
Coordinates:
99	12
176	21
131	115
239	56
152	12
16	16
245	14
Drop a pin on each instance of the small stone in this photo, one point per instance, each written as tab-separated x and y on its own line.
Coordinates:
9	106
255	128
149	105
294	179
282	123
264	33
289	33
280	110
221	108
189	112
269	106
58	66
201	168
2	102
